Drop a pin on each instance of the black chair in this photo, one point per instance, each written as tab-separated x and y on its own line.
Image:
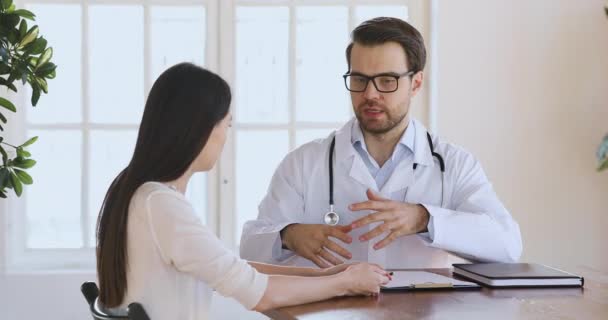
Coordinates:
90	292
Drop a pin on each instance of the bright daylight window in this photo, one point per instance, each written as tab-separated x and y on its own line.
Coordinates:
288	58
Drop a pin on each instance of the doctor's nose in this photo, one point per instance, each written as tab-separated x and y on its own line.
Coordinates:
371	92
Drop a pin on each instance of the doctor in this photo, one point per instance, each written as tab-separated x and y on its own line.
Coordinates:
382	188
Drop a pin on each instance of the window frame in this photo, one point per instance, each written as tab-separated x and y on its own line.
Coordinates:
220	55
417	12
20	258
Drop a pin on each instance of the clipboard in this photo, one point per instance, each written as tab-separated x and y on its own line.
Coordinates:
423	280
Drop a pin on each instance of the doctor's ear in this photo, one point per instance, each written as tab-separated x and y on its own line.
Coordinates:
416	83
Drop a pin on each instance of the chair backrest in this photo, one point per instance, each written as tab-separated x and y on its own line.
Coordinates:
90	292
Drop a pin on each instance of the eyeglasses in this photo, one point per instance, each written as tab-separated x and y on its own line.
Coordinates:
385	82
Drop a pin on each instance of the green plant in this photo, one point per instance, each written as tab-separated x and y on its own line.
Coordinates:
602	155
24	56
602	152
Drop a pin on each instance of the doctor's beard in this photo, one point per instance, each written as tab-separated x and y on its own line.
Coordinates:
378	126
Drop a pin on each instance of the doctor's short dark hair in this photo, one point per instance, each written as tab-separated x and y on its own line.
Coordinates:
380	30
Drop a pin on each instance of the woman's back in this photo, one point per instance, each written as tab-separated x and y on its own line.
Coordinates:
175	261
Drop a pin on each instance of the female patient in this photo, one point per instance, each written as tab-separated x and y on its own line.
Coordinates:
152	248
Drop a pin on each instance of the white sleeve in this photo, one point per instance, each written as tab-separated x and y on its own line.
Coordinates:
184	242
282	205
477	226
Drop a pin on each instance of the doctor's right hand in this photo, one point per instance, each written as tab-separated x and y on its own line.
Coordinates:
312	241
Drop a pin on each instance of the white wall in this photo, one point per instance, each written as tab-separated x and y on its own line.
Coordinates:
524	86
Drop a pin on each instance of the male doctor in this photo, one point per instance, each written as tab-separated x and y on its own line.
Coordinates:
402	197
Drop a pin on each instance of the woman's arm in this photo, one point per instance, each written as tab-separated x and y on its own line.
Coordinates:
359	279
296	271
190	247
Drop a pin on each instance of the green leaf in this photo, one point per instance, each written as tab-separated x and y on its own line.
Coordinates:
32	61
12	76
13	35
30	141
22	28
52	74
3	177
24	177
29	37
35	95
25	14
7	104
46	69
23	153
45	57
24	163
17	186
43	85
6	4
4	68
9	85
4	155
36	47
603	165
3	119
10	20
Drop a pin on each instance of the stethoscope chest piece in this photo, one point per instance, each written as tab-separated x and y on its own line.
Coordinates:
331	218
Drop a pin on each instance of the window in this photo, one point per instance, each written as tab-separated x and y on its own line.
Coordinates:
287	90
109	54
288	65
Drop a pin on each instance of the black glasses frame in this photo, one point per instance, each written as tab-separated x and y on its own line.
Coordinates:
373	80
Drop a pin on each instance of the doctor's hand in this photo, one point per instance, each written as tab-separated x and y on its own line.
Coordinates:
400	218
312	241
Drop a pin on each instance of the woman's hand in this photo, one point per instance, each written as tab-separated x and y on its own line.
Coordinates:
363	279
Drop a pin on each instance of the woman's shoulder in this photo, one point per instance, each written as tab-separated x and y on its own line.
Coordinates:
158	195
150	188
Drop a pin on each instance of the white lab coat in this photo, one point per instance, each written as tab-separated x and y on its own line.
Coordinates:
472	222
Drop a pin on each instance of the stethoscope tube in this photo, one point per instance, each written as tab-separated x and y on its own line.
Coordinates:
331	217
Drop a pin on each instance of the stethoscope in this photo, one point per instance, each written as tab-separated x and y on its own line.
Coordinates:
332	218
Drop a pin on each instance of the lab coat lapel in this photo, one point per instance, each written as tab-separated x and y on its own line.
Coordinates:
422	152
402	177
347	156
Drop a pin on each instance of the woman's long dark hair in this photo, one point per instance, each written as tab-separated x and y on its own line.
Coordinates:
185	103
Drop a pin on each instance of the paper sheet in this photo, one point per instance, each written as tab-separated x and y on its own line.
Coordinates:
410	278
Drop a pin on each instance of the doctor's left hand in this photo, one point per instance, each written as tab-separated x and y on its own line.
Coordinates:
400	218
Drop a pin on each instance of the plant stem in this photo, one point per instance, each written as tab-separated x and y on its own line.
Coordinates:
8	144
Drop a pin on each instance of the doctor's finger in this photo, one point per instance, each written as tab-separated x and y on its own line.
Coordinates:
387	226
371	205
339	234
330	257
386	241
373	217
344	228
338	249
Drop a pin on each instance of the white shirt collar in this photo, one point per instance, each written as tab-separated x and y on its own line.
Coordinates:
407	139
